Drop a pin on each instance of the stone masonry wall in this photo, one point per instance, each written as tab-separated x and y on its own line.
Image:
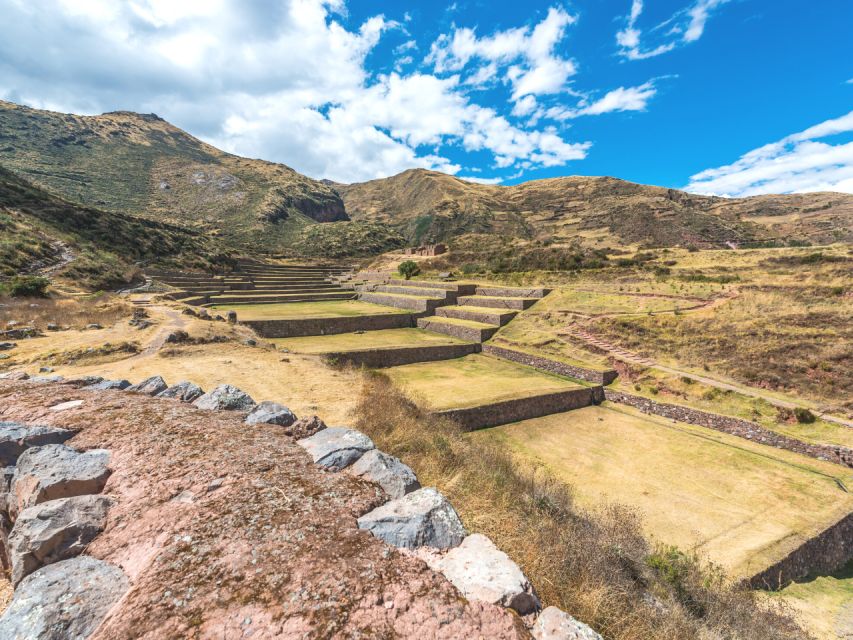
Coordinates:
378	358
299	327
824	553
498	413
734	426
551	366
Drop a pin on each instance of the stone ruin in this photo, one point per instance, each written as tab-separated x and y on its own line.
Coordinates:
429	250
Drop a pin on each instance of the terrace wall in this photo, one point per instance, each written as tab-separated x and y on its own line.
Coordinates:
299	327
507	411
734	426
825	553
397	356
551	366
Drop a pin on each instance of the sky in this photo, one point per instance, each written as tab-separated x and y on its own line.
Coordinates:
724	97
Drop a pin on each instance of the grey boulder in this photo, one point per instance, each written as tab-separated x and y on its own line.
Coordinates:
271	413
56	471
336	447
106	385
554	624
184	391
483	572
150	386
5	346
395	478
16	438
225	397
53	531
423	518
63	601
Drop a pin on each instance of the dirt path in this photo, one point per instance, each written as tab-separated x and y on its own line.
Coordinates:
701	304
66	257
632	358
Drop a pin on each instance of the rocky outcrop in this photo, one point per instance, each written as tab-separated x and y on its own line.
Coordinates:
483	572
65	600
423	518
119	385
554	624
16	438
271	413
395	478
53	531
225	397
184	391
56	471
150	386
336	448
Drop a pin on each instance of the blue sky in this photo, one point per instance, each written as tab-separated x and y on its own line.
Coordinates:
734	97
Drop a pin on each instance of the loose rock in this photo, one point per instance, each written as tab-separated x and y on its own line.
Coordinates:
305	427
421	518
225	397
64	406
396	478
337	447
94	325
5	346
483	572
53	531
67	599
16	438
150	386
105	385
554	624
56	471
232	317
271	413
15	375
184	391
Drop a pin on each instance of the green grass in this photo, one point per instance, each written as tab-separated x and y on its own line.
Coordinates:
742	504
366	340
294	310
471	381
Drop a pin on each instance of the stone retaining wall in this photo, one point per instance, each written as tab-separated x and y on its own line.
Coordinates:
825	553
507	411
551	366
299	327
734	426
394	357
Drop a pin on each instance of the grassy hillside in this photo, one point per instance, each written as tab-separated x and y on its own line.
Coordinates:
38	229
142	165
429	206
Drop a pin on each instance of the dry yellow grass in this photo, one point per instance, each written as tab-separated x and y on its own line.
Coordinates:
327	309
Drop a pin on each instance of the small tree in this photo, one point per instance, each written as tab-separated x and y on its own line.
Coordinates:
408	268
28	287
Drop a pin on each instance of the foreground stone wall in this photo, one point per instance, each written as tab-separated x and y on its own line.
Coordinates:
824	553
394	357
300	327
734	426
507	411
552	366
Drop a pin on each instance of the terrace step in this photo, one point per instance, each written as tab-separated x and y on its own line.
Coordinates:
463	289
398	356
463	329
400	301
296	297
513	292
417	291
485	315
497	302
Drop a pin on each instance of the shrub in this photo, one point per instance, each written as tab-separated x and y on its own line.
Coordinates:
408	268
470	267
28	287
804	416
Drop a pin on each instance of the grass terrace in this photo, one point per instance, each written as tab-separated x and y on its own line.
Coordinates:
741	504
473	380
293	310
382	339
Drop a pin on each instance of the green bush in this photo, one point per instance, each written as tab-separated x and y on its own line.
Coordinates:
408	268
27	287
804	416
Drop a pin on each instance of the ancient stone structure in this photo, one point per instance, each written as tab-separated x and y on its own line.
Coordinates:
299	327
605	376
394	357
430	250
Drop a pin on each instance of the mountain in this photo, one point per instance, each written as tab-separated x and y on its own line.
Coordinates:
95	248
142	165
428	206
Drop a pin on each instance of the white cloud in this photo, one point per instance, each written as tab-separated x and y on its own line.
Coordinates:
621	99
481	180
798	163
286	81
685	26
527	55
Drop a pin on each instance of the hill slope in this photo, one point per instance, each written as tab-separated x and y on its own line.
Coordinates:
142	165
37	228
430	206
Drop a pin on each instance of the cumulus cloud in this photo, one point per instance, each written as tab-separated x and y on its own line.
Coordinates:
799	163
683	27
285	81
